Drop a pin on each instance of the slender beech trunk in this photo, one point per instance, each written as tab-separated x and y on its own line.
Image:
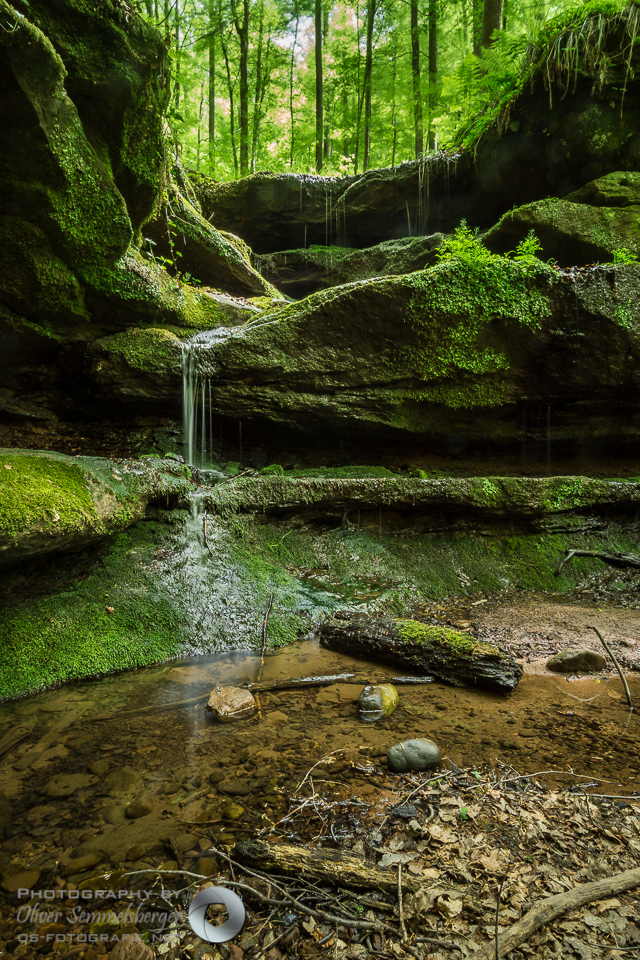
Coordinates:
242	29
212	89
433	71
415	77
477	27
492	20
505	13
319	91
257	99
176	27
292	64
393	101
368	69
232	120
360	93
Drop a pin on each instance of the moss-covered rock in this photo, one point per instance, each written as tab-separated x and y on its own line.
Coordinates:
454	351
53	503
587	226
507	498
301	272
59	200
181	236
117	75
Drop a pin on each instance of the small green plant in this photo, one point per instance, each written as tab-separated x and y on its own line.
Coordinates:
274	469
527	250
623	255
465	245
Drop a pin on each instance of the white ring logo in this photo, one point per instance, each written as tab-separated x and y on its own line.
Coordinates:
198	915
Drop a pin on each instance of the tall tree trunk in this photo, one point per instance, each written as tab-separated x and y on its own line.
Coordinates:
242	29
433	71
478	6
257	98
319	90
415	78
232	122
176	27
393	100
492	20
368	69
263	83
291	77
327	130
505	13
212	90
359	93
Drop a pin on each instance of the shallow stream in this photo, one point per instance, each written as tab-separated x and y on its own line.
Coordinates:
131	771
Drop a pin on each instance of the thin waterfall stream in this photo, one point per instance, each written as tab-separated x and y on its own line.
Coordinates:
198	368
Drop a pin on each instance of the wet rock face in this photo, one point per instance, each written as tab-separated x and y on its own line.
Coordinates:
298	273
585	227
382	360
545	151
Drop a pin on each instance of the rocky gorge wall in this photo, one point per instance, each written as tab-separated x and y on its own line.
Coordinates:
437	340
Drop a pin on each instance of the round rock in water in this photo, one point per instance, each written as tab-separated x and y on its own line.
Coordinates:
577	661
413	755
231	703
377	702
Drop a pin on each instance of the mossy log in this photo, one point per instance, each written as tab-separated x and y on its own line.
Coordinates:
327	866
449	655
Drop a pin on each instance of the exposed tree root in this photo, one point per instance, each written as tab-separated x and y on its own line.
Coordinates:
556	906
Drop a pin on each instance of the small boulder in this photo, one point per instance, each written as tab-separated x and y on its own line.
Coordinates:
231	703
577	661
138	808
413	755
377	702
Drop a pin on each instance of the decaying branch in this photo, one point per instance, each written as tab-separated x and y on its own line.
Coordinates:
327	866
616	665
554	907
613	559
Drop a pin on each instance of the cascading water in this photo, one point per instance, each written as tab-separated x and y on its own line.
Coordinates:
197	405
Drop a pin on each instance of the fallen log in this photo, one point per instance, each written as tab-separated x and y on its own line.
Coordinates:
452	656
327	866
613	559
294	683
556	906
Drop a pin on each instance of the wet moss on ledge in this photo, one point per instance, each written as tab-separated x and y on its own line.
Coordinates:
461	644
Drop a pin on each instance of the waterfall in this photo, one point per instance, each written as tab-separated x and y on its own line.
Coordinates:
189	388
197	404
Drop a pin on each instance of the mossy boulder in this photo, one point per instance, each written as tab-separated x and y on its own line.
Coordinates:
457	353
117	75
298	273
587	226
53	503
180	235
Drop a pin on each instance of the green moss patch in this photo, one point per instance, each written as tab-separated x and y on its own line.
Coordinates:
42	491
461	644
116	619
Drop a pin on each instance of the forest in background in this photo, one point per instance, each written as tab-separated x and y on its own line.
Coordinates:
319	86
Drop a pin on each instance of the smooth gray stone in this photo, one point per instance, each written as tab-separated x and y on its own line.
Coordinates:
413	755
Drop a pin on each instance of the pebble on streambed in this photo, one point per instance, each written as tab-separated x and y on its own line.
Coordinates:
378	702
231	703
413	755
